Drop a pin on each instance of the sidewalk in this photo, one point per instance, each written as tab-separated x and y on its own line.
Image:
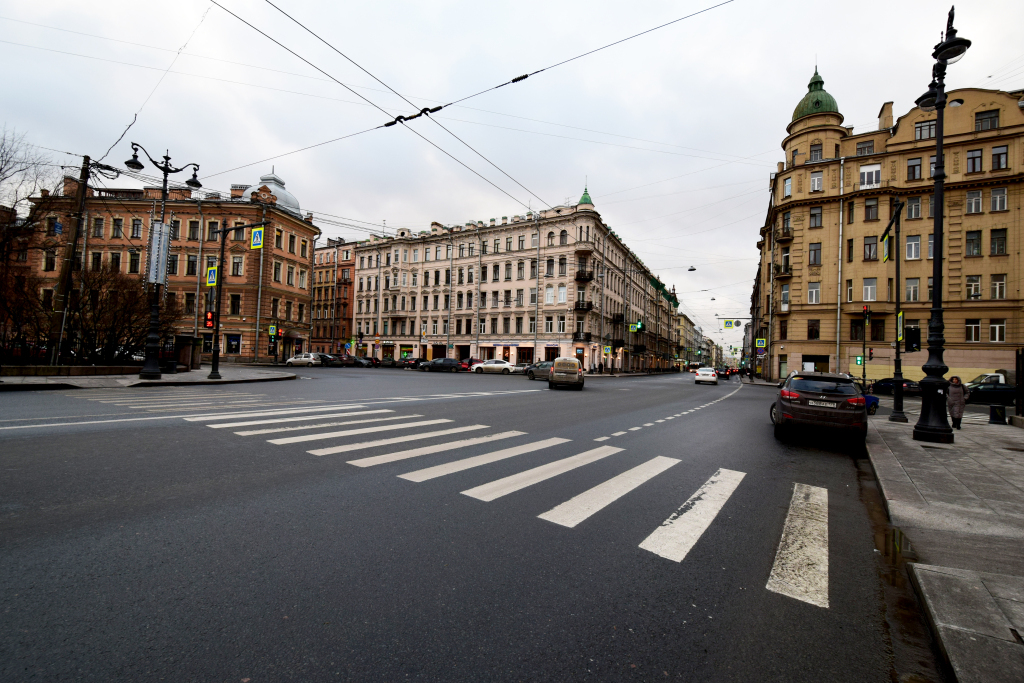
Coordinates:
231	375
961	506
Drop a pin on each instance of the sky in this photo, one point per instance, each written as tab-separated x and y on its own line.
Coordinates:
674	132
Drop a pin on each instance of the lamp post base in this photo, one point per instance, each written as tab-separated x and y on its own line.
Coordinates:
898	417
150	375
933	434
214	375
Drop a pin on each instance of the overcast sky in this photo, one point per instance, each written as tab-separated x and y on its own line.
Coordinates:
675	131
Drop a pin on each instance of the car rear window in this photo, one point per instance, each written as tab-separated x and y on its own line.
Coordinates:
829	386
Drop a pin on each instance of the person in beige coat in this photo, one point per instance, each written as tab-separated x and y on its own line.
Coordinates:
956	399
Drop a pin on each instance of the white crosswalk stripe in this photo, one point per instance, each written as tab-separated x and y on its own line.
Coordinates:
393	440
573	511
352	432
284	411
801	563
677	535
276	430
305	418
503	487
436	448
477	461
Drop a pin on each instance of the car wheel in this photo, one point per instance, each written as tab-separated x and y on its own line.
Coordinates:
530	376
454	369
771	413
479	371
309	365
505	371
872	410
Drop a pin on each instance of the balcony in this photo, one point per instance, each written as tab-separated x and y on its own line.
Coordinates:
783	270
584	275
584	246
619	319
583	306
618	343
784	234
581	337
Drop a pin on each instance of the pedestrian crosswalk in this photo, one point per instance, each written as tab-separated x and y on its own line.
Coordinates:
800	570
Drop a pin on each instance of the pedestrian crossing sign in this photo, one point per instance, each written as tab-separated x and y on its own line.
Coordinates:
272	331
211	276
728	324
607	349
632	327
759	343
257	238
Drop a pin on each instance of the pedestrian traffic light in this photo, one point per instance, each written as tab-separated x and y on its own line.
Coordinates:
639	325
209	319
912	337
871	354
860	360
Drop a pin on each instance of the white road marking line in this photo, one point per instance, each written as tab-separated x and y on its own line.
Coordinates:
633	429
575	510
274	430
648	424
286	411
671	418
304	418
801	562
661	420
353	432
602	438
680	532
396	439
435	448
618	433
501	487
478	460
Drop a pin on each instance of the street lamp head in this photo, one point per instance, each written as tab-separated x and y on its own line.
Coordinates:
952	48
134	162
927	101
193	182
690	269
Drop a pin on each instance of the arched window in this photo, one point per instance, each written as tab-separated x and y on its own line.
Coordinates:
561	266
563	238
549	295
458	300
551	239
508	271
551	267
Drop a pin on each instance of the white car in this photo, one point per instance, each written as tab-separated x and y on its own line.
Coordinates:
307	359
494	365
706	376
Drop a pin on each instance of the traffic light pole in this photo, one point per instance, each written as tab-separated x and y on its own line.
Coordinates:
864	349
897	381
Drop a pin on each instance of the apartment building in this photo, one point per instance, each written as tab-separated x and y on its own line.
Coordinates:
821	256
558	282
261	287
331	314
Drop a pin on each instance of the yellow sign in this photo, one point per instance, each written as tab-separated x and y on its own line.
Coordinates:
211	276
257	238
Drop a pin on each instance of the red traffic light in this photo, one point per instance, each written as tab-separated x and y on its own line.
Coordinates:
280	333
865	309
209	319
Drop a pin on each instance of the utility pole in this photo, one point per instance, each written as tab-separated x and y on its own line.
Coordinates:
70	252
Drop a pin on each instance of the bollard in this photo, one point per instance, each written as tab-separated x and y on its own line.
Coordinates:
997	415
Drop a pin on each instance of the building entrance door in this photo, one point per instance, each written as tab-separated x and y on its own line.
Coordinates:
580	356
437	351
550	353
524	354
506	353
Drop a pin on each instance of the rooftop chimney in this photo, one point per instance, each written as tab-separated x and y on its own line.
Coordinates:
885	116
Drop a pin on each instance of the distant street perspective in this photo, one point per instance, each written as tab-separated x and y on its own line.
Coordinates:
575	343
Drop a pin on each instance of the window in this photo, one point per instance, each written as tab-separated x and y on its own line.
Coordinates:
974	161
190	302
998	242
172	264
136	228
974	201
133	262
986	120
973	287
508	271
291	243
856	330
878	330
497	246
50	261
533	295
561	294
279	243
236	304
870	176
997	330
97	260
814	254
914	169
786	221
291	275
913	207
533	325
849	290
815	152
924	130
117	228
562	266
816	181
913	247
277	272
870	288
549	324
849	251
931	246
561	323
913	288
521	270
849	212
871	209
999	199
815	220
783	329
814	292
787	187
865	148
973	245
998	286
972	330
998	158
549	295
929	298
871	248
97	228
814	329
236	265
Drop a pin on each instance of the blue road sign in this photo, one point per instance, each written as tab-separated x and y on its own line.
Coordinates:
257	238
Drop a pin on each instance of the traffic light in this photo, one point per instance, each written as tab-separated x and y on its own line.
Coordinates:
867	313
871	354
280	332
209	319
912	337
639	325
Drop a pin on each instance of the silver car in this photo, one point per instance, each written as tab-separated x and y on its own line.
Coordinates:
566	371
307	359
494	365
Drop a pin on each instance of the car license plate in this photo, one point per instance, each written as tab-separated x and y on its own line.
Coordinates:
821	404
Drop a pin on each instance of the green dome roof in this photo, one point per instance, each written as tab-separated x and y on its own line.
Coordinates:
816	101
585	199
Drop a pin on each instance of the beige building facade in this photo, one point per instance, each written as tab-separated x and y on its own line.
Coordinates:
822	257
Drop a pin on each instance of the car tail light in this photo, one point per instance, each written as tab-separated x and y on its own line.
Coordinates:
786	393
856	400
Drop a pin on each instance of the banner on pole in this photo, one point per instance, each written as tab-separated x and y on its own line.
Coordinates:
159	250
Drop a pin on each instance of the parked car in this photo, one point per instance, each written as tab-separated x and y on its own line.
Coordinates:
307	359
467	363
819	399
371	361
441	365
538	370
388	362
327	360
493	365
706	376
871	402
885	387
991	389
411	363
565	371
520	368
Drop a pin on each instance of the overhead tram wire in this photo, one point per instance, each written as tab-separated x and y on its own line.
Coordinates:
394	119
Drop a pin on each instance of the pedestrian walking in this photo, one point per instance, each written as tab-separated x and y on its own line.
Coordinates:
956	399
600	368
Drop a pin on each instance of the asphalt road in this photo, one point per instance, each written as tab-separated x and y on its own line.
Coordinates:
137	544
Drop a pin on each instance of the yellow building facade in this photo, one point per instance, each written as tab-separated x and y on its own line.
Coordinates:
821	251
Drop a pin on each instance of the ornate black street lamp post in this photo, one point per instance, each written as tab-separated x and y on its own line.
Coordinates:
933	425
